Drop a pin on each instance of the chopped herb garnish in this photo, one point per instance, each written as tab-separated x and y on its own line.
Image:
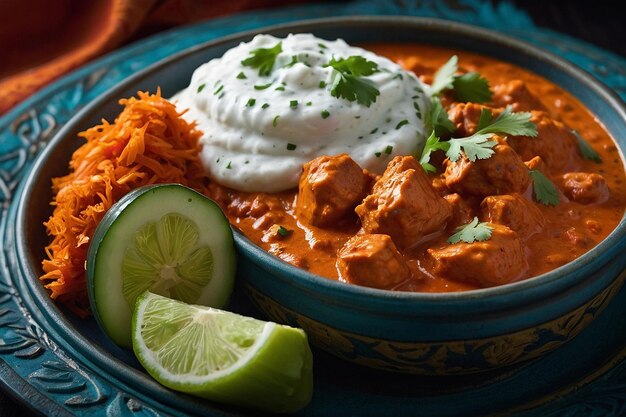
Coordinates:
241	76
294	60
478	145
402	123
262	87
321	45
322	84
280	88
585	148
467	87
437	119
398	76
284	232
220	88
291	147
229	166
378	154
293	104
444	77
374	131
389	149
265	106
263	59
471	87
309	103
432	144
325	114
251	102
275	121
544	190
201	87
348	82
472	232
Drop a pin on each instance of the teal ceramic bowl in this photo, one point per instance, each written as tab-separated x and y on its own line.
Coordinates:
421	333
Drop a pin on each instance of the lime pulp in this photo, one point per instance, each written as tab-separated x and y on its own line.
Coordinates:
221	355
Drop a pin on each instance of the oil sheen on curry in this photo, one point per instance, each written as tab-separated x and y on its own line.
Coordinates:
504	175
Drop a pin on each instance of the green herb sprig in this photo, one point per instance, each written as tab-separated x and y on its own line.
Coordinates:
348	81
479	145
474	231
433	143
263	59
544	190
470	86
586	149
437	119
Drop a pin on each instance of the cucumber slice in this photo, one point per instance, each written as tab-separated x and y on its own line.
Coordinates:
168	239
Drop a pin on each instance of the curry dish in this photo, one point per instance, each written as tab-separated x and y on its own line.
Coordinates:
391	231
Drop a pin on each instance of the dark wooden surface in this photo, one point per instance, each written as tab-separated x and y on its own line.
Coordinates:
597	22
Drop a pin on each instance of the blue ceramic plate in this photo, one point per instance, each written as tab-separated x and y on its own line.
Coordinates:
64	366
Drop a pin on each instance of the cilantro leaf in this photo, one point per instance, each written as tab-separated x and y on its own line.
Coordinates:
516	124
283	231
478	145
354	89
437	118
472	232
432	144
347	82
354	65
263	58
444	77
471	87
485	118
586	149
544	190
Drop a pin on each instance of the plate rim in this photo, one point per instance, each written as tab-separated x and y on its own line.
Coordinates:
21	194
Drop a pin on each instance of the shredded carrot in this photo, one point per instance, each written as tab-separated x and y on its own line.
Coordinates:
148	143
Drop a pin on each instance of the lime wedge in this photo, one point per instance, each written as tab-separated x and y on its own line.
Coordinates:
222	356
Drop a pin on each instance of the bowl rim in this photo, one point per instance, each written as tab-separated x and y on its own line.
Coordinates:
317	282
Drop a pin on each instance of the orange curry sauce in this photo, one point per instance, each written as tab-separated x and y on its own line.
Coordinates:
571	228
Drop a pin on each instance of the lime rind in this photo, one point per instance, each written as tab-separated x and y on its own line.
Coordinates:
260	364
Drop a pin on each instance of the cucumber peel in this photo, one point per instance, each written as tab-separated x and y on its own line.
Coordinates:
166	238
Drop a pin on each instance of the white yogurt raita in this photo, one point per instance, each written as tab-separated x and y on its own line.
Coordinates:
260	129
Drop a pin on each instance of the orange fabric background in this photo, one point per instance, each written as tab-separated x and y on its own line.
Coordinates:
41	40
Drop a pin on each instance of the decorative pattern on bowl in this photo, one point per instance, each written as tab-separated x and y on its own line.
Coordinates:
437	358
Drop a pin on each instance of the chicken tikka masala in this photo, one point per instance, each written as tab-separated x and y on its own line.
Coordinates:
392	231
